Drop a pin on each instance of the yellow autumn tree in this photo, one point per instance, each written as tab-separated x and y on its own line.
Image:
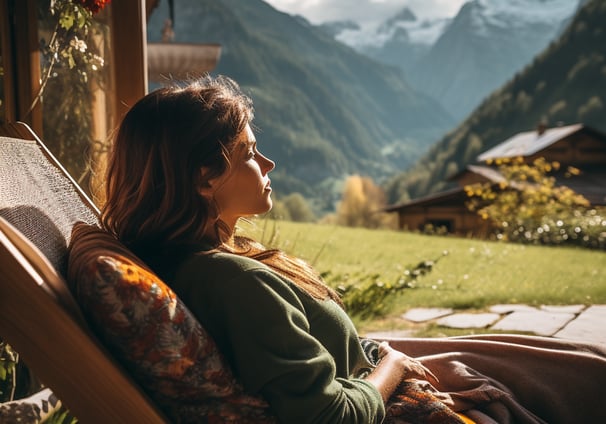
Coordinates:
362	204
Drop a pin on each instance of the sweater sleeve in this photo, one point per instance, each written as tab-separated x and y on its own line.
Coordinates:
263	324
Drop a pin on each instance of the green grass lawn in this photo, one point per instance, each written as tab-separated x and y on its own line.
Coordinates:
473	275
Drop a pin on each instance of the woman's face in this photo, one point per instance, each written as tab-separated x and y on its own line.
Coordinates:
245	189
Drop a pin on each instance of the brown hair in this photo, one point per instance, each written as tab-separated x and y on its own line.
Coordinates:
154	175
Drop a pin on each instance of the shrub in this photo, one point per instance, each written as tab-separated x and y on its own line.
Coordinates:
367	295
529	207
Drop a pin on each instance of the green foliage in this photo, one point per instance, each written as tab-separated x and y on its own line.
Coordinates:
8	378
368	296
292	207
9	382
62	416
566	83
72	67
70	40
298	208
279	211
529	207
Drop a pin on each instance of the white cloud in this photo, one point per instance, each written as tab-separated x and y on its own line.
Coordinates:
365	11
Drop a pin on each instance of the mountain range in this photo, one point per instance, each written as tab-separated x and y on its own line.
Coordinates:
460	61
323	109
565	84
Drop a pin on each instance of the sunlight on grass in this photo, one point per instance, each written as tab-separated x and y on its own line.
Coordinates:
475	274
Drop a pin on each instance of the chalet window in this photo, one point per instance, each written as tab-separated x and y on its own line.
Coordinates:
441	225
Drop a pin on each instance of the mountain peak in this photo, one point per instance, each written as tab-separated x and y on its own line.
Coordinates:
401	19
405	15
335	28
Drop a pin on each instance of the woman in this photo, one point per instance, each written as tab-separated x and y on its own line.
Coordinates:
185	168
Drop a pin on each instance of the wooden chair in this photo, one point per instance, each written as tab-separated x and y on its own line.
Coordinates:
39	318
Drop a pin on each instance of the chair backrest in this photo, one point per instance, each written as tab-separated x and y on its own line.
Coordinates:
39	204
39	198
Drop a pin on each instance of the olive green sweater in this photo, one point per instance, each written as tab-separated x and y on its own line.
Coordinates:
301	354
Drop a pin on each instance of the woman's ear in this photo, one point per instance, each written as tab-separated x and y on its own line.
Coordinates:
207	185
205	190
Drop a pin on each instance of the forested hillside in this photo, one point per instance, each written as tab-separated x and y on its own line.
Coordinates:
565	84
322	109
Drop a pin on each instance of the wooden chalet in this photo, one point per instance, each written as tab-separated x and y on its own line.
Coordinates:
574	145
445	211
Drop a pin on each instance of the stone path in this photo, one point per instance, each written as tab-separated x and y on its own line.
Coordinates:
573	322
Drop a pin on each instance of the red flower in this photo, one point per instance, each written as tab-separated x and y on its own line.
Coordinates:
94	6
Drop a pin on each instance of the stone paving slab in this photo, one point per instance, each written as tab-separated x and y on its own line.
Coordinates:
542	323
469	320
507	308
572	309
426	314
389	334
590	326
575	322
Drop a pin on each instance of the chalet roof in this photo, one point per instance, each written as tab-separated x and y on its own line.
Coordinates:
490	173
180	61
529	142
455	195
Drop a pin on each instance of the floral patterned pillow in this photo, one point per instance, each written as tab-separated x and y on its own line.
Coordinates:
153	334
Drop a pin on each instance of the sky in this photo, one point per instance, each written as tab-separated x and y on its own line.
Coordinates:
365	12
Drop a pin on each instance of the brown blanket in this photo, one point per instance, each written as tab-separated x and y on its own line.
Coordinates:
515	379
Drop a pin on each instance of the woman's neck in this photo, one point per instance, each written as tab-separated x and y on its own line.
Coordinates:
221	230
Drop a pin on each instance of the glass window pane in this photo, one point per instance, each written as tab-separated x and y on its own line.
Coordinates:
75	85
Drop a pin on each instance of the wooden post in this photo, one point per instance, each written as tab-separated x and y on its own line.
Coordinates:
21	60
129	53
9	102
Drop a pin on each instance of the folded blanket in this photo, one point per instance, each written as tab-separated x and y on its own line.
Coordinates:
514	379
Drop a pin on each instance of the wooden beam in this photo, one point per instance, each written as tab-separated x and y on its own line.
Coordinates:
21	61
27	50
129	53
8	101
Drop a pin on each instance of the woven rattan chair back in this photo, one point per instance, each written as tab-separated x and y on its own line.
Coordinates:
39	204
39	199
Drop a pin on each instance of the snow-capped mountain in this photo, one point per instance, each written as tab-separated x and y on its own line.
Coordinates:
514	14
400	40
484	46
461	60
404	25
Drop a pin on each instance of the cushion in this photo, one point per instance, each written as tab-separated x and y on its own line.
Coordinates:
153	334
35	408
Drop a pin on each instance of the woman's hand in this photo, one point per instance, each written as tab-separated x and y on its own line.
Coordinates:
393	367
411	367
